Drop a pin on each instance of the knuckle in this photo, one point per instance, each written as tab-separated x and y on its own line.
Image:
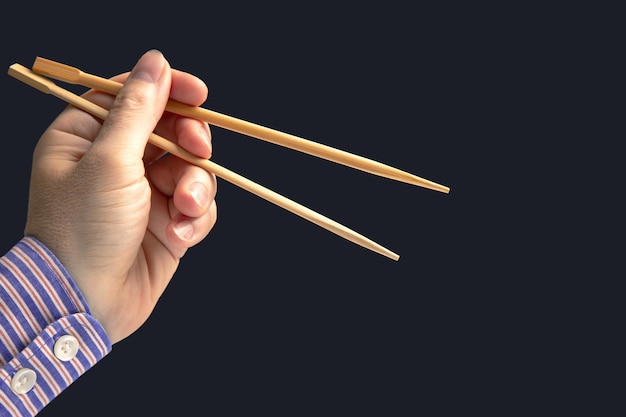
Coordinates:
135	102
132	98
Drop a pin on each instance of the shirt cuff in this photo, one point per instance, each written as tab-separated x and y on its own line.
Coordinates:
48	337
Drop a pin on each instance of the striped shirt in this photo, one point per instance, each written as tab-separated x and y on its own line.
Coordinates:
48	337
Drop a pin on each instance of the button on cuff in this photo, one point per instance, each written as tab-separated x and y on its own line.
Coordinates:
23	381
66	348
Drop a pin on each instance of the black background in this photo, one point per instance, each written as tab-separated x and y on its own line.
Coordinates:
272	315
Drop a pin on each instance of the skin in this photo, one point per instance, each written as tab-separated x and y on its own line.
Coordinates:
117	212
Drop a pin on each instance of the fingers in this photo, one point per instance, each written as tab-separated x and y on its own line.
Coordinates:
188	89
191	134
186	194
194	188
184	232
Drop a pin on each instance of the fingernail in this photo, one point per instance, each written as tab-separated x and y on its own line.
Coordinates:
199	193
149	67
184	230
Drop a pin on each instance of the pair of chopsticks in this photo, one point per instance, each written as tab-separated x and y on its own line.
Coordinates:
73	75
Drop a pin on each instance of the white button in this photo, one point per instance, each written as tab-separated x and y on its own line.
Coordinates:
23	381
66	347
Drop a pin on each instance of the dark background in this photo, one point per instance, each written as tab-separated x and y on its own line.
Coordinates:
272	315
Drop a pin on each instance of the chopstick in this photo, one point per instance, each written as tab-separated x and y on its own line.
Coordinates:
48	87
74	75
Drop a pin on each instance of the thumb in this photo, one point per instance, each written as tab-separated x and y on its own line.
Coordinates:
137	108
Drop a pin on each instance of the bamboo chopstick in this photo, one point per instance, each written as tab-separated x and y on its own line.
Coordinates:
46	86
74	75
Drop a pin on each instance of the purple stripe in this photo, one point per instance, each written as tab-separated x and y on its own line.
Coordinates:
18	316
5	351
51	368
34	398
7	393
28	298
42	292
31	246
53	279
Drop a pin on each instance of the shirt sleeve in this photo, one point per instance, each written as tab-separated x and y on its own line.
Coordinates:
48	337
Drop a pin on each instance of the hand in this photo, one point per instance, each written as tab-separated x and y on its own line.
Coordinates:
118	213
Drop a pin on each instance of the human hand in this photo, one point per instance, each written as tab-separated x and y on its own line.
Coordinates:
116	211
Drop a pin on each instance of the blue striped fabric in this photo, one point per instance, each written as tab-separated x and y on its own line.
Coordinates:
39	303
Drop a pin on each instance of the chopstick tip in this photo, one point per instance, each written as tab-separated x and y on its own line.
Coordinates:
432	185
389	254
419	181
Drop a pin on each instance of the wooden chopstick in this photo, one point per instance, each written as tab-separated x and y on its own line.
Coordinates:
74	75
46	86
